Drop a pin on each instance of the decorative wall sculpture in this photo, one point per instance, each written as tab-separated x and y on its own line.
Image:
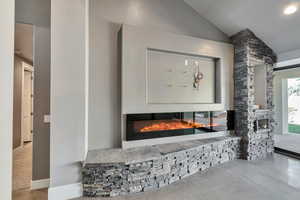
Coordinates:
170	74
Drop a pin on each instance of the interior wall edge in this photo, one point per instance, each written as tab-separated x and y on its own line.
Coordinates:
7	24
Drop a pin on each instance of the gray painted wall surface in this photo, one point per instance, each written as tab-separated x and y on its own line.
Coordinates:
37	12
106	18
289	55
6	102
67	92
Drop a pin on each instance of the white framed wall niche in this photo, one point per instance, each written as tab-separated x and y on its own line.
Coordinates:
164	72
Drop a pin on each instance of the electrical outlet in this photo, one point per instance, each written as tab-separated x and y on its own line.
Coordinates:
46	118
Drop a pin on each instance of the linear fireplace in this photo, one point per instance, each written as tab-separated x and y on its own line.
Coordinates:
170	86
156	125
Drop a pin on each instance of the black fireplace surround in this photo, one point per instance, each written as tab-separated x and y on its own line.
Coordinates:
156	125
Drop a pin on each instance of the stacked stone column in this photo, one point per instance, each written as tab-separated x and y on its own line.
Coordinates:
250	51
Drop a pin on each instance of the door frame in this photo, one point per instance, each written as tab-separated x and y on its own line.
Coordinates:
285	66
285	105
29	68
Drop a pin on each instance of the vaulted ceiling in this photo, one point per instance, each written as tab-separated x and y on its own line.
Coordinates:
264	17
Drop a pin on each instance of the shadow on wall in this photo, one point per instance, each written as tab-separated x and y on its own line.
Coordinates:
105	87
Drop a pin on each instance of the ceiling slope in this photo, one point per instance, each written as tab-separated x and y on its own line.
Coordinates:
265	18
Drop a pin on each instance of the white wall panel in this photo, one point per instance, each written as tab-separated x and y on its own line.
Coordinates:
135	44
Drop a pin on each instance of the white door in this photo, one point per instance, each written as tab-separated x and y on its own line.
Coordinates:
27	106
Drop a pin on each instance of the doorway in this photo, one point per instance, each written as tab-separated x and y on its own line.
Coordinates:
27	111
23	107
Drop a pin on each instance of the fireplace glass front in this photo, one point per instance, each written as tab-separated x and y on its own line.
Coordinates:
261	125
155	125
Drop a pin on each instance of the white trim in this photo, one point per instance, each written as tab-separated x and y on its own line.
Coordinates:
40	184
175	139
65	192
288	63
285	102
87	79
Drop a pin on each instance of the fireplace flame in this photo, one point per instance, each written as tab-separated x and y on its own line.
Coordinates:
175	125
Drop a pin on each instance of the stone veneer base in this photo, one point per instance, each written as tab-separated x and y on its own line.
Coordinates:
114	172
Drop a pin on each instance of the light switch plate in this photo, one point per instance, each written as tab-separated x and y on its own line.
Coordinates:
46	118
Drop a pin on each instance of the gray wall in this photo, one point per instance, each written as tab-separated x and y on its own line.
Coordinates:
37	12
106	18
289	55
6	89
67	92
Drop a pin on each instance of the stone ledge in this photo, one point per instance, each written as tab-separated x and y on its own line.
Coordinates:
146	153
114	172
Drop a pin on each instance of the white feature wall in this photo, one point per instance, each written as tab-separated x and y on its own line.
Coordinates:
105	73
141	85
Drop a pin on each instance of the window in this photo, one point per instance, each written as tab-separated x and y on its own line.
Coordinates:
293	105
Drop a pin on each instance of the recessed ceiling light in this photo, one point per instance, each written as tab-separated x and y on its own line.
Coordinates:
290	9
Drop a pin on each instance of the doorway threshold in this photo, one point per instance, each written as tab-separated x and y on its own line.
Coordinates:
288	153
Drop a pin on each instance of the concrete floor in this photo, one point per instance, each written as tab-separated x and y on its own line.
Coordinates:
290	142
276	178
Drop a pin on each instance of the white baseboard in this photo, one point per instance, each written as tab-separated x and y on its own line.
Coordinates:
40	184
65	192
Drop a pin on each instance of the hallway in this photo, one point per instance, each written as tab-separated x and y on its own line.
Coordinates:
22	172
22	167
